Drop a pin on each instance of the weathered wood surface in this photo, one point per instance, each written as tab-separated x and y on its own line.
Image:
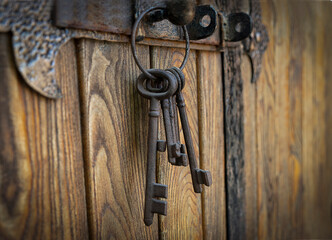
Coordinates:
235	155
291	100
250	151
184	214
211	142
234	147
115	126
42	193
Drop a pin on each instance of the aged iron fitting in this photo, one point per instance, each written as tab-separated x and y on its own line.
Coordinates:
37	39
256	44
180	12
236	26
36	42
201	21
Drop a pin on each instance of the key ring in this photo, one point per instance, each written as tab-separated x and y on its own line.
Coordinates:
133	42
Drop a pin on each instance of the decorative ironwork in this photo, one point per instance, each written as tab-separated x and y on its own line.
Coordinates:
36	41
257	42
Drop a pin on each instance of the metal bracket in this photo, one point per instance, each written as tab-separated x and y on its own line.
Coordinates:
236	26
197	28
36	41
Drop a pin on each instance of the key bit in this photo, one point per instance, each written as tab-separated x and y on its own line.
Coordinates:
204	177
175	151
159	206
161	145
182	160
160	190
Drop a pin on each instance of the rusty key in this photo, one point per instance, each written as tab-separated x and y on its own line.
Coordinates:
198	176
183	161
175	150
153	189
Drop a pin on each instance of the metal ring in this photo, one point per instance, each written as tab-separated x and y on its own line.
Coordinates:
165	75
179	77
133	42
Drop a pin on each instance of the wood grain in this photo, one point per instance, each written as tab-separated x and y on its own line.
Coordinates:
184	214
211	142
317	167
115	126
42	193
293	171
250	149
287	182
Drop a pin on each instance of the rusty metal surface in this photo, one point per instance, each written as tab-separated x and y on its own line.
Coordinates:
180	12
36	41
116	16
158	26
196	29
236	26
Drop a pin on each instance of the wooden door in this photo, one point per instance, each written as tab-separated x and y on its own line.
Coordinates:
74	168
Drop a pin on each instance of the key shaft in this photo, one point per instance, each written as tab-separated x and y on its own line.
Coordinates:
153	189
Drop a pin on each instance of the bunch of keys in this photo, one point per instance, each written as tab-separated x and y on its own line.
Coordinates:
164	90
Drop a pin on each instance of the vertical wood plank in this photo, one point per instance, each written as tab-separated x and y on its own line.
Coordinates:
317	180
211	142
184	214
42	193
294	184
115	126
250	149
240	137
327	183
274	125
234	147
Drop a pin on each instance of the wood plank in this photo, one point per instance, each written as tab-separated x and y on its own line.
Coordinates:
41	167
211	142
294	183
327	60
234	148
250	149
317	166
184	217
273	130
115	125
240	136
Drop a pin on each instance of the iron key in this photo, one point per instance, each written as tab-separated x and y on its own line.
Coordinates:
198	176
175	150
154	190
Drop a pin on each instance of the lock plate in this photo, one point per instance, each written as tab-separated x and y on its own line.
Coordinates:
36	39
118	16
